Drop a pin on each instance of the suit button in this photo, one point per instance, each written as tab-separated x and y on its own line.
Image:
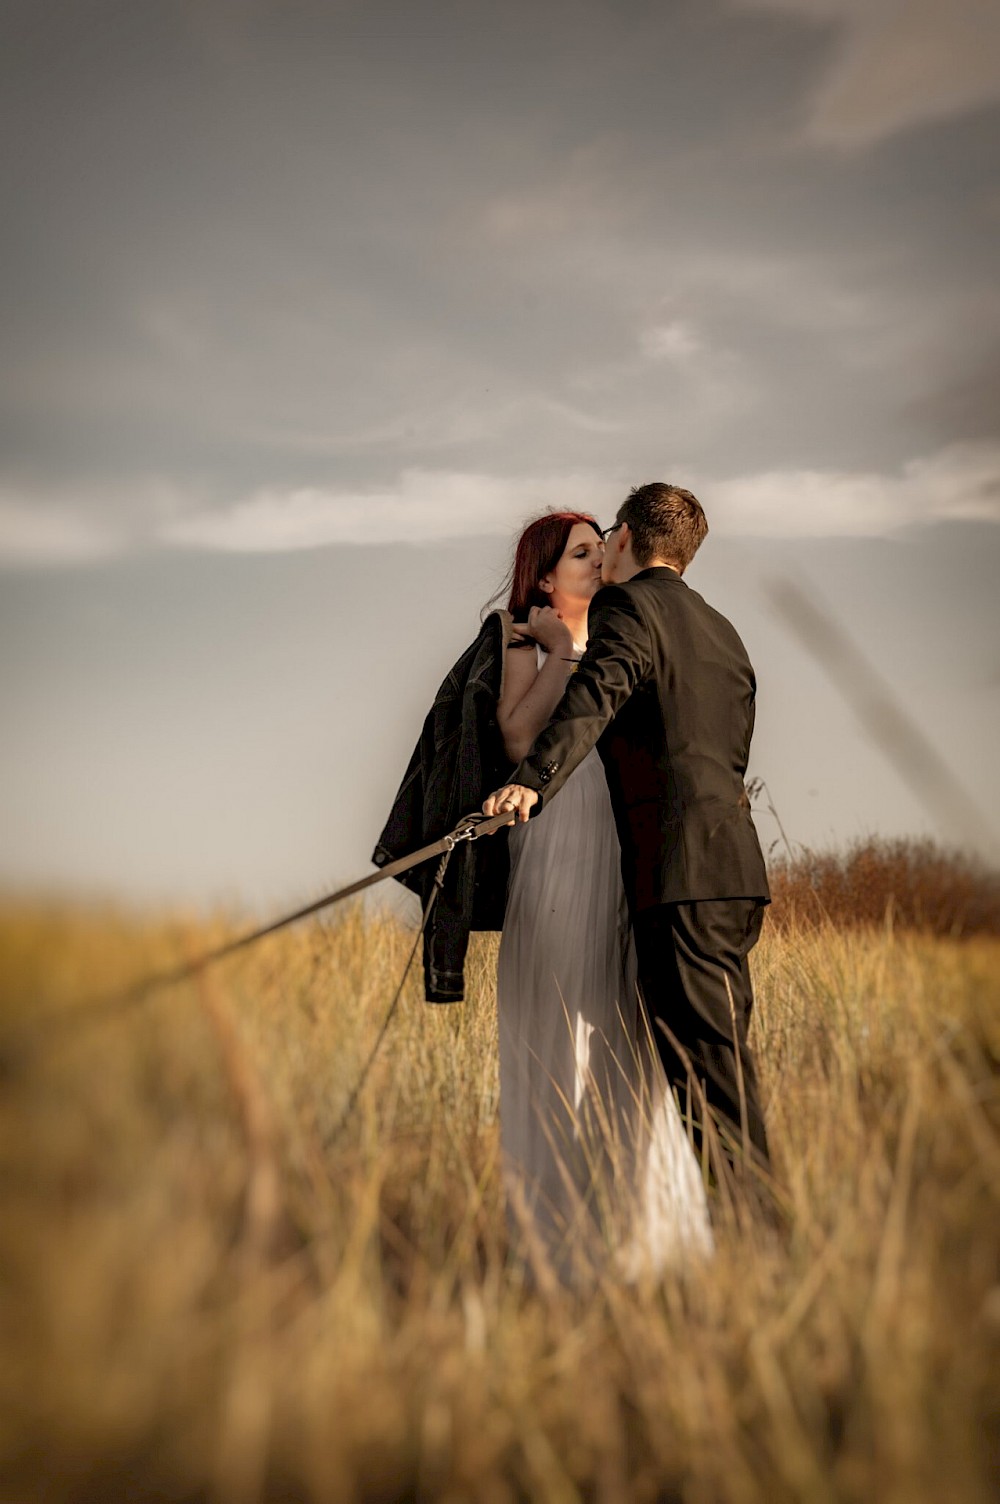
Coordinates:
546	773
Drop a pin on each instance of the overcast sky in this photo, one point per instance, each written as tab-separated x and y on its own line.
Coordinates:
306	306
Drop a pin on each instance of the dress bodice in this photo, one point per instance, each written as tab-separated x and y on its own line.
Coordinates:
542	653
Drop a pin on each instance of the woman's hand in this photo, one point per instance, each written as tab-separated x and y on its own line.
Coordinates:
547	627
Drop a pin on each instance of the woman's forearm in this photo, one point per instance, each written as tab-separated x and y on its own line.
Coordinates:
534	709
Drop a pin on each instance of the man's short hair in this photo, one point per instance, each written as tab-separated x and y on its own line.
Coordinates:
666	522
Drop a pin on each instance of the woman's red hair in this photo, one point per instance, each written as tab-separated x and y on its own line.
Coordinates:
539	549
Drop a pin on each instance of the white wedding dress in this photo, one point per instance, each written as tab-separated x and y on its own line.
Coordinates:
598	1166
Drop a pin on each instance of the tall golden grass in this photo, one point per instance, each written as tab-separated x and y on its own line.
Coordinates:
209	1297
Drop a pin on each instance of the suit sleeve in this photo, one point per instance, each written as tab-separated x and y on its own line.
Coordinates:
618	657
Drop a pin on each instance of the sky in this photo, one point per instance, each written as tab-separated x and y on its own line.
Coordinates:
308	307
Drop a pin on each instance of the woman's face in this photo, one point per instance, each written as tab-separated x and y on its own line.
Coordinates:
577	576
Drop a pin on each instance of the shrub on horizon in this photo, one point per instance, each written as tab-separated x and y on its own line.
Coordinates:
909	883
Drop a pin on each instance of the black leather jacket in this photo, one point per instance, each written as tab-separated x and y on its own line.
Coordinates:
458	760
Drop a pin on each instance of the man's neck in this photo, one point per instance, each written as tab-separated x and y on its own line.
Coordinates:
654	564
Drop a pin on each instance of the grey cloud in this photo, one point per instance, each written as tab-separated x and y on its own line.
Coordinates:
895	66
315	249
967	407
48	536
960	483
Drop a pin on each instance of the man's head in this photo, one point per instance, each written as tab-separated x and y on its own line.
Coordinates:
656	524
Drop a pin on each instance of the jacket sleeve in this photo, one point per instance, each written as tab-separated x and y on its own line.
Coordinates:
618	657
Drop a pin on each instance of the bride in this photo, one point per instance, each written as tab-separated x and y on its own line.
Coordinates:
597	1162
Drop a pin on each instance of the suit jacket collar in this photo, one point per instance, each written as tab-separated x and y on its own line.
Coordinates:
658	572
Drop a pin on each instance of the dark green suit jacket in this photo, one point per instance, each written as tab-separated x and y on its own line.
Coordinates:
666	691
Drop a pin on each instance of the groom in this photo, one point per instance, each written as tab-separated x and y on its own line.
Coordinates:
666	690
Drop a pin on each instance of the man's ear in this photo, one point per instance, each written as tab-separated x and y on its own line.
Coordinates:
624	537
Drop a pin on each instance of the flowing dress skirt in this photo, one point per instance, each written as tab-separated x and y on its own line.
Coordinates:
598	1165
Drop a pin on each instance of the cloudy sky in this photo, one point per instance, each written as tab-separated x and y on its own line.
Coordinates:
306	306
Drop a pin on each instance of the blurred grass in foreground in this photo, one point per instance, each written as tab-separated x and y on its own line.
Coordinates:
206	1300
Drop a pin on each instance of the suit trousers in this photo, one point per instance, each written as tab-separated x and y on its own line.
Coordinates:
687	952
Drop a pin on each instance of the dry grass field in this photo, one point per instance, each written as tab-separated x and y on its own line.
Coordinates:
209	1296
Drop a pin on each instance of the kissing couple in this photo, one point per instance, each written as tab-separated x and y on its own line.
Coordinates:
609	708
